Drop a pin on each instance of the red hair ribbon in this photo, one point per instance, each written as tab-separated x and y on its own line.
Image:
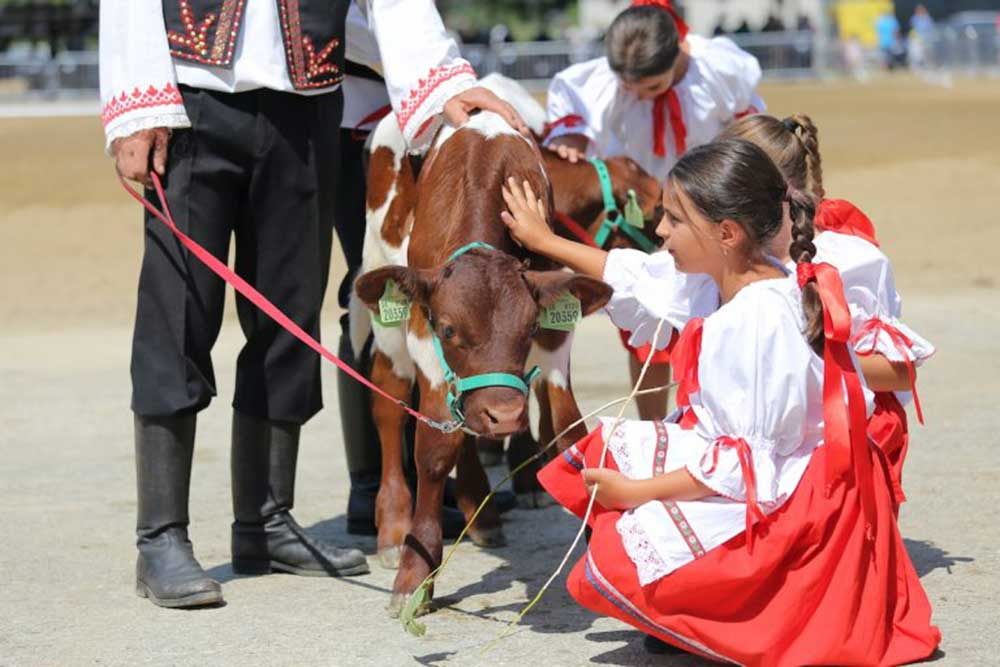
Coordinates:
843	217
846	426
749	477
902	343
682	27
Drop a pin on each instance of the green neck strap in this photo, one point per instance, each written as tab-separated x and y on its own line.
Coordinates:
458	386
613	216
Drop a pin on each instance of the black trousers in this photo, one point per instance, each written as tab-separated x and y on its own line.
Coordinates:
261	168
349	207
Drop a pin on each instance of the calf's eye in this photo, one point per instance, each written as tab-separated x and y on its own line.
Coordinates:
448	332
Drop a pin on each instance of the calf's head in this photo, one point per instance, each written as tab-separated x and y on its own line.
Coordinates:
484	308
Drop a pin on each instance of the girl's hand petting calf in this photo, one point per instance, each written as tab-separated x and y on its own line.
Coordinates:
526	219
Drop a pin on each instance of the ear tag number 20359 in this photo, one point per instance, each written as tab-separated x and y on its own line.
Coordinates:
562	314
393	307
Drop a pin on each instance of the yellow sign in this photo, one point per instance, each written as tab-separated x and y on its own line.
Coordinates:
856	18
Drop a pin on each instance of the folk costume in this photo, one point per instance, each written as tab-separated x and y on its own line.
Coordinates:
251	91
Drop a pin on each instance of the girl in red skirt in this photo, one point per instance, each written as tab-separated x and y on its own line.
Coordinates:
755	526
889	351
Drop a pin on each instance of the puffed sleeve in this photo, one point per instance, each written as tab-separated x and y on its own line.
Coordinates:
757	378
138	82
876	307
648	288
578	98
420	62
732	77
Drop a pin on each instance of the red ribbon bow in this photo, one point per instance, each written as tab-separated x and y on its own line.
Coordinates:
749	477
846	426
668	99
902	343
684	358
843	217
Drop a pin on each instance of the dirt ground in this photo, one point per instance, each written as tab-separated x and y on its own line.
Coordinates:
924	162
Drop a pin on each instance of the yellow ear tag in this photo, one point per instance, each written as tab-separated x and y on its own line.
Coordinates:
562	315
393	307
633	212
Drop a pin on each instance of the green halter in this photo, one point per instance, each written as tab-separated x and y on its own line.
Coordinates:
458	386
613	216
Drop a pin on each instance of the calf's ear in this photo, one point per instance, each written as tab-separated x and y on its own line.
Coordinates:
549	285
416	285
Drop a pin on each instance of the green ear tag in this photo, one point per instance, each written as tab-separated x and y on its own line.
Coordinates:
562	315
393	307
633	212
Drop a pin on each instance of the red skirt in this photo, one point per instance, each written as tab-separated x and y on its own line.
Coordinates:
643	351
888	428
816	590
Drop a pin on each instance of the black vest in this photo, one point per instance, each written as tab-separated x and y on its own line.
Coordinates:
313	32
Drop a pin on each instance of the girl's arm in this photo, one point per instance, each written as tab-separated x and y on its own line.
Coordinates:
884	375
526	222
616	491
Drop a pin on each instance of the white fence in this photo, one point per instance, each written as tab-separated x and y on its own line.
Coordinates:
790	54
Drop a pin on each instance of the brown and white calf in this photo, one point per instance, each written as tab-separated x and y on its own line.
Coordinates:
484	307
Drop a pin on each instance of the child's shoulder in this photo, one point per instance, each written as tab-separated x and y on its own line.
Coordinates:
762	308
592	72
718	58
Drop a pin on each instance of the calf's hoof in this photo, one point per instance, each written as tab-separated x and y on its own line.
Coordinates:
398	601
489	538
535	500
389	557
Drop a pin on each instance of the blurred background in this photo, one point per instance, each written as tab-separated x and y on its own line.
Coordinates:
48	47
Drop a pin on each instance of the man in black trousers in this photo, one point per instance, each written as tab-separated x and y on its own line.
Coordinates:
237	105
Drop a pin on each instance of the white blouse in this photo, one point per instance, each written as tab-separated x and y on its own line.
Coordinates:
719	86
648	288
759	382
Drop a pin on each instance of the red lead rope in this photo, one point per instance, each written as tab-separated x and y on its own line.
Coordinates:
575	228
259	300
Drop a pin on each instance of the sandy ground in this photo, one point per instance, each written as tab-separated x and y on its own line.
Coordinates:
923	162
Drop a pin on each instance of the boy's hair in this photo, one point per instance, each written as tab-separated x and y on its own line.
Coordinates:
642	41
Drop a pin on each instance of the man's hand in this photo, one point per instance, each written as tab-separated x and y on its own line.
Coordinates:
571	147
132	154
456	110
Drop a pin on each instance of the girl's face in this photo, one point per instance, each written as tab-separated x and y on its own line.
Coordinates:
650	87
692	239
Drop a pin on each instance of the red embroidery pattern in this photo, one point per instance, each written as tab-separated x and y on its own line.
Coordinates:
225	36
195	37
305	65
426	86
169	95
193	43
315	61
675	513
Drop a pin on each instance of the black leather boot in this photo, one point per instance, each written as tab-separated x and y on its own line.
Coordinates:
361	443
266	538
166	571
